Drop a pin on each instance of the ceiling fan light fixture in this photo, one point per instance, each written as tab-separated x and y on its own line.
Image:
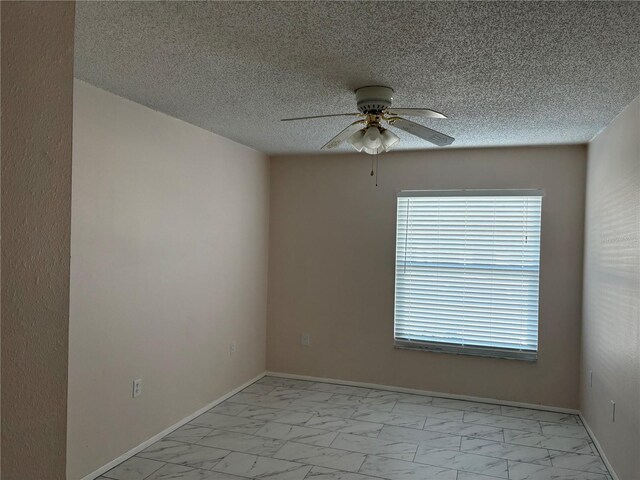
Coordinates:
368	134
389	139
355	140
373	151
372	138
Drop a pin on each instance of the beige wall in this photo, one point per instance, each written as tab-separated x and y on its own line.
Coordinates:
331	271
611	325
37	97
168	266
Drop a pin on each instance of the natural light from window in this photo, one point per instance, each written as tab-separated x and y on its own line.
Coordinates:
467	271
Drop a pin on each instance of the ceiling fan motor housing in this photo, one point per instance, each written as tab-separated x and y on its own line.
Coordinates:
374	99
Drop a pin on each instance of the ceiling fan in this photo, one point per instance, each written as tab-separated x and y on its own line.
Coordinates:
368	134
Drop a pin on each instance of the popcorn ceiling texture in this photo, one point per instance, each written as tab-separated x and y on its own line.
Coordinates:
506	73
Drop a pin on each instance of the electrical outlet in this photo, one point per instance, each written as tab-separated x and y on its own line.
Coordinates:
137	387
591	378
232	348
613	411
305	340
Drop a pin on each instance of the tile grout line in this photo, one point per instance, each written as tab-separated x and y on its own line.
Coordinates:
423	428
540	426
365	437
423	393
142	446
453	409
527	446
419	429
356	408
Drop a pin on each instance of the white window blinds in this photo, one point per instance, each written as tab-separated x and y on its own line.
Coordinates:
467	269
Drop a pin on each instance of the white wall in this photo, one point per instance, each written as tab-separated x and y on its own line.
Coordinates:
168	266
332	259
611	324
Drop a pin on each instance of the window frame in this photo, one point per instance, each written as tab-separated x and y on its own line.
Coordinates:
455	348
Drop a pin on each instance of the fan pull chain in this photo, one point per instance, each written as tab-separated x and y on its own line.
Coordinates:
375	168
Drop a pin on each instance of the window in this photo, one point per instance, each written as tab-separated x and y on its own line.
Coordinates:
467	272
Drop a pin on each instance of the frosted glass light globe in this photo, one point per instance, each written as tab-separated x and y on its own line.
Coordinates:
355	140
388	139
372	138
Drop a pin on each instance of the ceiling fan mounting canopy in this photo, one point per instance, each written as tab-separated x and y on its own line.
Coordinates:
368	134
374	99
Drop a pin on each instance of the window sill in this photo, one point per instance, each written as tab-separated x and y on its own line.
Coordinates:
527	356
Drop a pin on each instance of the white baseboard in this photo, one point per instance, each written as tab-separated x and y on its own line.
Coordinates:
600	450
155	438
493	401
221	399
427	393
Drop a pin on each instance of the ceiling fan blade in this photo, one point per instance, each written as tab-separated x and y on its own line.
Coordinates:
343	135
416	112
421	131
323	116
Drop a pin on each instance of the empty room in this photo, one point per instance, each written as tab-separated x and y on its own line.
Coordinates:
320	240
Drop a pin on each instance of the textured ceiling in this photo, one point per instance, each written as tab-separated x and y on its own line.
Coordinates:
506	73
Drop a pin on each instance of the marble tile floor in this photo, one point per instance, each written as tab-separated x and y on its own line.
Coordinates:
285	429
